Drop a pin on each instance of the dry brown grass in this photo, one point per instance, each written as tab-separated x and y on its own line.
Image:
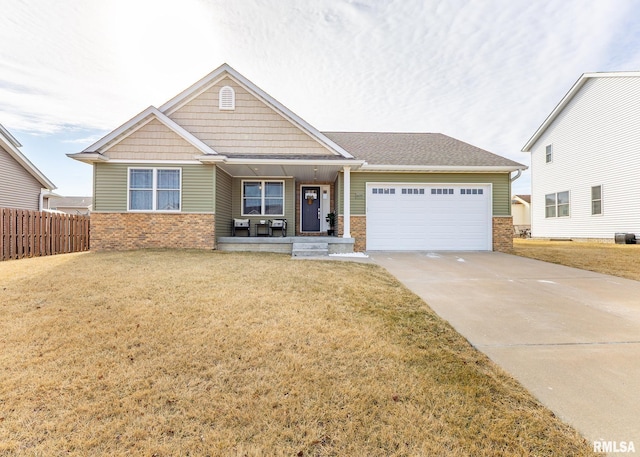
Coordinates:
164	353
609	258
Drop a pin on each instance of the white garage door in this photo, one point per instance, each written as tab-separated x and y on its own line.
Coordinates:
439	217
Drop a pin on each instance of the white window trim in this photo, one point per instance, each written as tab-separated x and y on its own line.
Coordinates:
154	191
221	105
550	146
557	205
601	199
262	197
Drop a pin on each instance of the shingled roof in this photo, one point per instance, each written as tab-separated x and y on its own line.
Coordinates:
417	149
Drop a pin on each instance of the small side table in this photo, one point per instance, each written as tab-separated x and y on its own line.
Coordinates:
263	228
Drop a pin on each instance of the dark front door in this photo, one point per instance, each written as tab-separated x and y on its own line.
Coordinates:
310	209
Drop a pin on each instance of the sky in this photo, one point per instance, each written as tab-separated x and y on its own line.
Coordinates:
485	72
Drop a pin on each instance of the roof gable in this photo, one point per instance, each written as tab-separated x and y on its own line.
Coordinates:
9	144
226	71
579	84
137	122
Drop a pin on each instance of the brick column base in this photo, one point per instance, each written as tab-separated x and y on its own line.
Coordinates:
503	234
358	231
124	231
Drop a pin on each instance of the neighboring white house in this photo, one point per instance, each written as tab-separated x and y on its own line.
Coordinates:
22	185
71	205
521	212
585	161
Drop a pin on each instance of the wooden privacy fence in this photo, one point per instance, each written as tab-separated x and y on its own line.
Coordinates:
27	233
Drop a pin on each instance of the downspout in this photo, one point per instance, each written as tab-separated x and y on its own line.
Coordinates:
41	199
517	175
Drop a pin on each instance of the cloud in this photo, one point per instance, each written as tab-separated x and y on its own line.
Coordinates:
485	72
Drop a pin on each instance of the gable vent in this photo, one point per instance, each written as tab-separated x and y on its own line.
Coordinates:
227	98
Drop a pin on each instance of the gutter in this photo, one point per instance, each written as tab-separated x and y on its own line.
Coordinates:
443	168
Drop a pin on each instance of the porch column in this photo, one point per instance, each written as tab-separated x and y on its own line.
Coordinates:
347	202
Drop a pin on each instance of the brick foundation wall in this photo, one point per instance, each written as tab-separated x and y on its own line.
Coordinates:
358	231
124	231
503	234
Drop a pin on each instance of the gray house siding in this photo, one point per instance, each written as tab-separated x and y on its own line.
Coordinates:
18	188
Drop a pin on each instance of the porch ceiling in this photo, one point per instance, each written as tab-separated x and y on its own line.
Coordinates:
319	173
310	169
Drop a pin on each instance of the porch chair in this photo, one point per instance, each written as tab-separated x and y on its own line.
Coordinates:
240	224
279	224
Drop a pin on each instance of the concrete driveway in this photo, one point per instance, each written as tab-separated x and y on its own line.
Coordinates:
571	337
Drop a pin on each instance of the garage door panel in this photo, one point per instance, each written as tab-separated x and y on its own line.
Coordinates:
456	218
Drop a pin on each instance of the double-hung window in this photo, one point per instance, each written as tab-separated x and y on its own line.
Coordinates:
263	198
596	200
154	189
557	205
548	153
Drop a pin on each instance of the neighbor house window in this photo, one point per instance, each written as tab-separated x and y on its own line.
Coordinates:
154	189
227	98
596	200
548	153
557	205
263	198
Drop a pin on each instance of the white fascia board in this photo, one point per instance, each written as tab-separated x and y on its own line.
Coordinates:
141	120
351	163
88	157
194	90
442	168
9	137
568	97
158	162
8	145
526	203
197	88
211	158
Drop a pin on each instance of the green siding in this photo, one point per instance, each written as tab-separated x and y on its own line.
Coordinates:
501	186
110	186
224	207
198	184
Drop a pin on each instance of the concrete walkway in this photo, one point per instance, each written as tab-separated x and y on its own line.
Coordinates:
570	336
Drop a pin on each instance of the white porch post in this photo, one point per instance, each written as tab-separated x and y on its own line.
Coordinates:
347	202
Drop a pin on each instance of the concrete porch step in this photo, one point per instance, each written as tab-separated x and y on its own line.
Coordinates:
309	249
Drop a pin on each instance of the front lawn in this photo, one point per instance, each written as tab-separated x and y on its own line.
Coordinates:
613	259
166	353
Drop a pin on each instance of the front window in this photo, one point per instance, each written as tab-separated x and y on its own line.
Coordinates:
596	200
154	189
557	205
263	198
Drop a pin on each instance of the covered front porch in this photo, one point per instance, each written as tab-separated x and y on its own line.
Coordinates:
261	190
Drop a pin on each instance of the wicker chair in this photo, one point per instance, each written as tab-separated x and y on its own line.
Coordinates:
279	224
240	224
